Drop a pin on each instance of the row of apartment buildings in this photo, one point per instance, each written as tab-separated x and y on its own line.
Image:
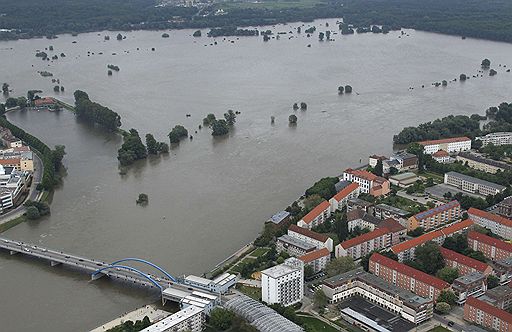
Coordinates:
472	185
435	217
499	225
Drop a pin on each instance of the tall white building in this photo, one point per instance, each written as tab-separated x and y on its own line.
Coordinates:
450	145
284	283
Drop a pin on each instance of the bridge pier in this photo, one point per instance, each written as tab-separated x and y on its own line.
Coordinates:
53	263
12	252
96	276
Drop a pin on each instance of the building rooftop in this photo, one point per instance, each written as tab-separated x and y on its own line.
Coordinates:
441	154
297	243
363	174
480	159
392	209
173	320
487	308
476	180
318	210
341	185
392	225
469	278
355	214
314	255
364	238
403	176
445	140
464	260
490	241
278	217
346	191
409	271
436	210
279	271
360	202
308	233
490	216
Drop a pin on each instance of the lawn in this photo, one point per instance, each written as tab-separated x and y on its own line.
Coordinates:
439	329
238	267
270	4
317	325
253	292
259	252
438	178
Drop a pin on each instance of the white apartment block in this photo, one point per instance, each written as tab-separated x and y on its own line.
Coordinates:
450	145
501	138
316	216
284	283
364	244
318	240
190	319
317	259
340	200
472	185
497	224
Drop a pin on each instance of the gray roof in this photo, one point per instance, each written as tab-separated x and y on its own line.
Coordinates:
480	159
469	278
296	242
392	209
341	185
278	217
477	181
360	202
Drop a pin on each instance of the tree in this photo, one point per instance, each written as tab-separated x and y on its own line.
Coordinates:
379	168
33	213
340	265
443	308
308	271
56	88
21	102
151	144
311	202
163	147
492	281
486	63
348	89
341	89
209	120
429	258
321	36
119	36
448	274
220	128
11	102
230	117
132	148
221	319
325	187
463	77
478	255
292	119
143	199
177	133
5	88
303	106
295	106
416	232
320	299
457	242
197	33
492	72
57	155
447	296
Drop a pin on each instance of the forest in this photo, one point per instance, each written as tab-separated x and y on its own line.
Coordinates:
470	18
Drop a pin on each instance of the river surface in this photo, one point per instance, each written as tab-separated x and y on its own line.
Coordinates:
209	197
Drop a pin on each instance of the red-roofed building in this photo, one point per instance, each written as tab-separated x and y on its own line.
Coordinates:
450	145
340	200
46	102
406	277
405	250
441	156
317	259
497	224
363	244
492	248
435	217
464	264
306	235
482	313
316	216
369	183
396	232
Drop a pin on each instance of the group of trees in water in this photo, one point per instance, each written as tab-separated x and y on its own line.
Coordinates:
220	127
133	149
472	18
95	113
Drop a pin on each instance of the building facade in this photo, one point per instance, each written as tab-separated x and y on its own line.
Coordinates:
482	313
284	283
318	240
492	248
190	319
472	284
450	145
497	224
369	183
316	216
317	259
464	264
363	244
435	217
293	246
472	185
481	163
340	200
501	138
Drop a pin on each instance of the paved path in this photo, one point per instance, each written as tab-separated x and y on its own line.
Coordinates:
150	311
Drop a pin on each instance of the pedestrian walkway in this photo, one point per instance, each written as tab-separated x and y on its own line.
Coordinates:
151	311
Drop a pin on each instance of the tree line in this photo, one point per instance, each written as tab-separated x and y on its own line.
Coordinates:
95	113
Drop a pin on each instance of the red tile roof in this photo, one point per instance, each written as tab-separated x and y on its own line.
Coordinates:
21	148
392	225
308	233
346	191
490	241
437	210
489	309
44	101
464	260
318	210
445	140
440	153
447	231
362	174
355	214
490	216
364	238
314	255
409	271
10	161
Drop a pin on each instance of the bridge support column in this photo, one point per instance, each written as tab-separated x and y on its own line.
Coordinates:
12	252
53	263
96	276
164	301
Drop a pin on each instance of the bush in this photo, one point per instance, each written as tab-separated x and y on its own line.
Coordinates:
33	213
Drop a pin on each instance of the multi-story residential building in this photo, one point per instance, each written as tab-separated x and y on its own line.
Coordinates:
363	244
481	163
357	203
360	218
293	246
369	183
374	159
316	216
406	161
492	248
318	240
500	297
503	270
283	283
396	232
500	138
21	158
191	319
402	302
497	224
464	264
406	277
384	211
442	157
6	199
340	200
472	284
482	313
504	208
435	217
317	259
450	145
472	185
406	249
8	139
